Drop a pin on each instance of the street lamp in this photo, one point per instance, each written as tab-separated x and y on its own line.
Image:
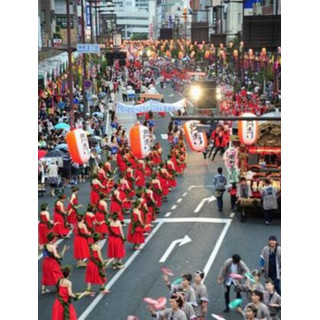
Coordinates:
195	92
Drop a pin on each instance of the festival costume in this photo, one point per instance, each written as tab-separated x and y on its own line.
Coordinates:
172	171
126	204
100	221
164	181
116	247
51	272
61	228
157	193
59	311
121	163
72	217
44	227
95	273
94	195
140	177
135	230
146	215
116	204
152	208
81	245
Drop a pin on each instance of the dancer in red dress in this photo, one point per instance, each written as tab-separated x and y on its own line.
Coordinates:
73	207
140	174
172	171
146	215
122	161
129	193
136	226
157	190
157	154
96	187
62	307
116	248
130	178
117	198
95	272
149	167
45	225
51	272
89	219
60	218
151	202
164	178
100	219
80	244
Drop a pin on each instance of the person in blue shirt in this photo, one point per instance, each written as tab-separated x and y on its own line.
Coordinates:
219	183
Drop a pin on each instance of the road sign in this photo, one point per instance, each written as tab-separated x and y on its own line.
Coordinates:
88	48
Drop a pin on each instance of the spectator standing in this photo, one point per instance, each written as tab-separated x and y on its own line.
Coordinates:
243	192
219	183
269	201
270	262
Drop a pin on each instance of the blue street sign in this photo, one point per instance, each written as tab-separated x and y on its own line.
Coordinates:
88	48
88	20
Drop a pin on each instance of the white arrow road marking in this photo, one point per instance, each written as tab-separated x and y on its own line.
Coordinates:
183	241
191	187
210	199
117	275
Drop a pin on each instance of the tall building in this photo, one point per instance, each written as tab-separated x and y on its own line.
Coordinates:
136	18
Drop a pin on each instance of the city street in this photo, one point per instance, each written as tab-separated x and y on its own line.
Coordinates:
190	213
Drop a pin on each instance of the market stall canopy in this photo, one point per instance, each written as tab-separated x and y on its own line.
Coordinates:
151	105
151	96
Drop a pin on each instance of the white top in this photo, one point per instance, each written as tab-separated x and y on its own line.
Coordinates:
234	269
52	170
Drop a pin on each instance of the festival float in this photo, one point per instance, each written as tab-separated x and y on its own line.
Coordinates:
259	156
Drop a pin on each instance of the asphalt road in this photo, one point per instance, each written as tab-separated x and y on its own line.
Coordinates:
215	237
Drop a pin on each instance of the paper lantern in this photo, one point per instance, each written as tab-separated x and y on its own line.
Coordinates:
248	130
197	141
140	141
78	146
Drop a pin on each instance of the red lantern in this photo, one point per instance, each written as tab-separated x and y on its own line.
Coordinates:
248	130
78	146
196	141
140	141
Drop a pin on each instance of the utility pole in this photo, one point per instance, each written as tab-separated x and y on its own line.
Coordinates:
70	84
85	102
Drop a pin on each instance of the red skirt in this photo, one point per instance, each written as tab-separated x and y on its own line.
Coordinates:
92	274
94	198
137	237
116	248
72	217
116	207
51	272
58	311
102	229
43	230
59	228
81	248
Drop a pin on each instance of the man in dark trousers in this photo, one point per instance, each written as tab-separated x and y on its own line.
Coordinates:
232	265
270	262
219	183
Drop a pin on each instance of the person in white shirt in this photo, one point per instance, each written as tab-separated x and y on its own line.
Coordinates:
52	174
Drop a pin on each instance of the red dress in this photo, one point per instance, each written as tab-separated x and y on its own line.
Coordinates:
140	175
116	206
126	204
89	221
116	247
72	217
61	227
157	194
81	246
43	229
148	170
172	171
135	236
92	272
94	195
146	215
156	158
58	309
51	272
100	225
150	204
120	163
164	181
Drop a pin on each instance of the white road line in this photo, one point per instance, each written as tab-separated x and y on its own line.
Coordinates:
173	207
168	214
56	243
232	214
117	276
179	200
185	194
171	114
203	201
191	187
216	249
193	219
